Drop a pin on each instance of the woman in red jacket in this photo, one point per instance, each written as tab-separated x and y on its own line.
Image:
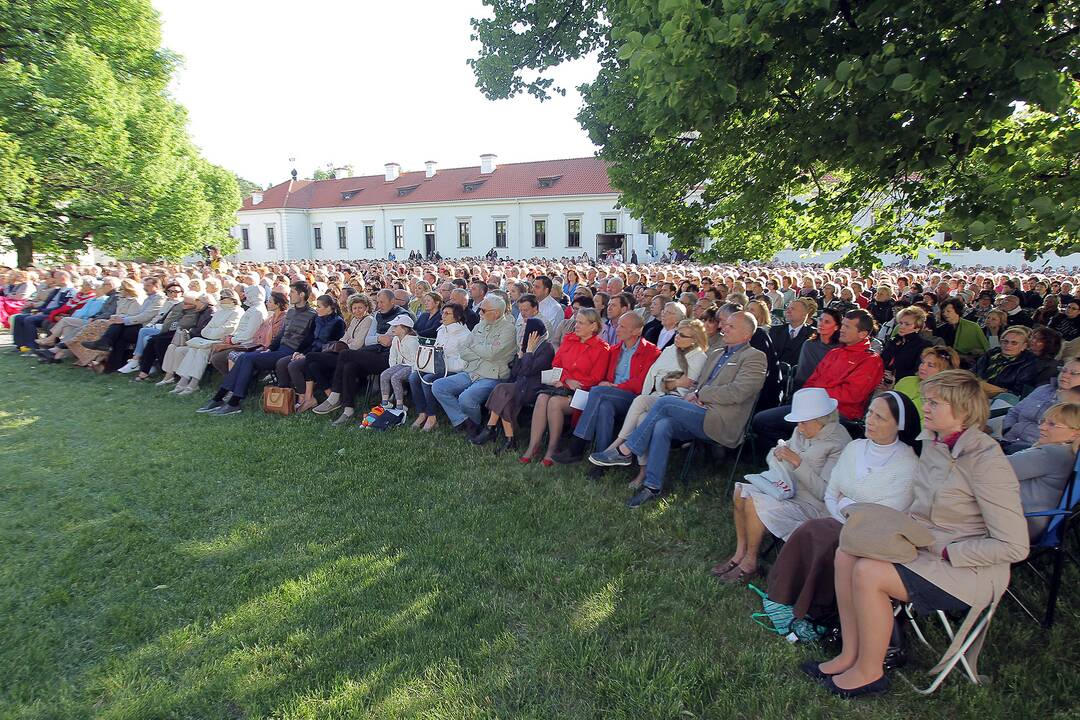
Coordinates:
582	356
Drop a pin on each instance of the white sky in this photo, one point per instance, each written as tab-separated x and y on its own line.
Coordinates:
362	82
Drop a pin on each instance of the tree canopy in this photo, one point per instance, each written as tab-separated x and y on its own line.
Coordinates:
763	124
92	148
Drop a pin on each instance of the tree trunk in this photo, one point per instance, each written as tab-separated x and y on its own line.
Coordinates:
24	251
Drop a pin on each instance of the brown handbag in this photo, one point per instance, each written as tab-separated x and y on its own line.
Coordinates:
278	400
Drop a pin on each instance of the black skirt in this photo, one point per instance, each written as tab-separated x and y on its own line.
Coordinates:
926	596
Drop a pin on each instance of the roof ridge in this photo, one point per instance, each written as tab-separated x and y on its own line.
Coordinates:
459	167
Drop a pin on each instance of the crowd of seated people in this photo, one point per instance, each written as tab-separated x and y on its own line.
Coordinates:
889	381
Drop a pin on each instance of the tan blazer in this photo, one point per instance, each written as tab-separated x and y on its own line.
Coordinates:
729	398
969	499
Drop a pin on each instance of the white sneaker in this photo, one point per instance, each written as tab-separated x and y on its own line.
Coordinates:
188	390
130	367
165	381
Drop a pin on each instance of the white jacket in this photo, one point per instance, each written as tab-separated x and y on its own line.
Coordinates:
449	338
669	362
249	324
403	351
222	322
890	486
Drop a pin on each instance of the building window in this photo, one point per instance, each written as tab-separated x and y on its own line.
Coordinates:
611	226
369	237
245	240
573	232
429	237
500	233
342	237
318	237
540	233
463	234
646	231
270	242
399	236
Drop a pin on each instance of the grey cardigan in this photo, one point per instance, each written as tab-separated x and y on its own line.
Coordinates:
1043	472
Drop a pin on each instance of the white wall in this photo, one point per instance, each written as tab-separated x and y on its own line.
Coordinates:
519	215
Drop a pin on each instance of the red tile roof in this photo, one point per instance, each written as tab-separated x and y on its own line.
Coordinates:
578	176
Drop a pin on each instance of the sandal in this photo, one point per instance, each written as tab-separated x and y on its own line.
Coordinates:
722	569
738	576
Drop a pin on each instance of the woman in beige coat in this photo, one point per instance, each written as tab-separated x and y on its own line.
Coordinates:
967	495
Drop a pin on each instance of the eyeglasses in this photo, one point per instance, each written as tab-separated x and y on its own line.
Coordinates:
1070	373
1013	343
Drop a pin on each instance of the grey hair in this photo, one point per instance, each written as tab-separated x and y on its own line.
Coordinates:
495	302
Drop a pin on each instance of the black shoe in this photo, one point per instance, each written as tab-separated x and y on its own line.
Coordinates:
811	668
507	445
97	345
644	497
595	472
468	427
210	406
878	687
486	435
573	452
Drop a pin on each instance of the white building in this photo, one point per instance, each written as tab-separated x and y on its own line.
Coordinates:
551	208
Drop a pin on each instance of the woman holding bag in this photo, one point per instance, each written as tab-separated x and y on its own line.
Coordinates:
968	498
451	334
807	461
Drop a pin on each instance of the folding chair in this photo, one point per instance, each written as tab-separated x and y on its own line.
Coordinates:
906	611
786	380
1053	542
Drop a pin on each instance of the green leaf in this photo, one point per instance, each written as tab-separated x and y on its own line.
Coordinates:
893	66
903	82
843	71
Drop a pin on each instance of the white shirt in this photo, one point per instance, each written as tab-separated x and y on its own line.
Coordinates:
551	312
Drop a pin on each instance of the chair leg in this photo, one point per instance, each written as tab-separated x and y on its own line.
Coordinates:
735	465
1055	585
959	658
684	475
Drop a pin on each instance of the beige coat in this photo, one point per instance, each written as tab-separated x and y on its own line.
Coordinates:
970	501
729	398
488	350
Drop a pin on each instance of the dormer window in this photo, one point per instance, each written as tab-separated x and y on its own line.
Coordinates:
350	194
471	186
403	191
548	181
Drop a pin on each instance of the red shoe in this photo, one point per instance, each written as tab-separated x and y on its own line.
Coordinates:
547	462
524	460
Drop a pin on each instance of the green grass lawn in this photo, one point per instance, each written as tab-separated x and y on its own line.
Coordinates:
157	563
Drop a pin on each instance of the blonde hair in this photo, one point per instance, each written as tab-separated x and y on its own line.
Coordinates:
591	315
916	312
1017	330
1067	414
963	392
809	303
701	338
938	351
130	287
761	312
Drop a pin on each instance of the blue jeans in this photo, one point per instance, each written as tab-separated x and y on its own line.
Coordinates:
144	335
461	396
597	421
671	418
246	365
422	396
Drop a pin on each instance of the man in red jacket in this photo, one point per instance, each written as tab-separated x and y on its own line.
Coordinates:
628	361
850	373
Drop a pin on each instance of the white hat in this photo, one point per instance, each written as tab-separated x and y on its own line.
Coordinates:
810	404
402	319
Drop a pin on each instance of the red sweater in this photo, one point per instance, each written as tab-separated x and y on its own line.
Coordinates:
850	373
585	362
76	302
640	362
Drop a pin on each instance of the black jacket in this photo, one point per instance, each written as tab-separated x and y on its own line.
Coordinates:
903	353
1014	376
297	331
770	391
786	347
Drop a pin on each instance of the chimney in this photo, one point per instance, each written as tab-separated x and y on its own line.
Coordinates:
393	171
256	198
487	163
429	169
